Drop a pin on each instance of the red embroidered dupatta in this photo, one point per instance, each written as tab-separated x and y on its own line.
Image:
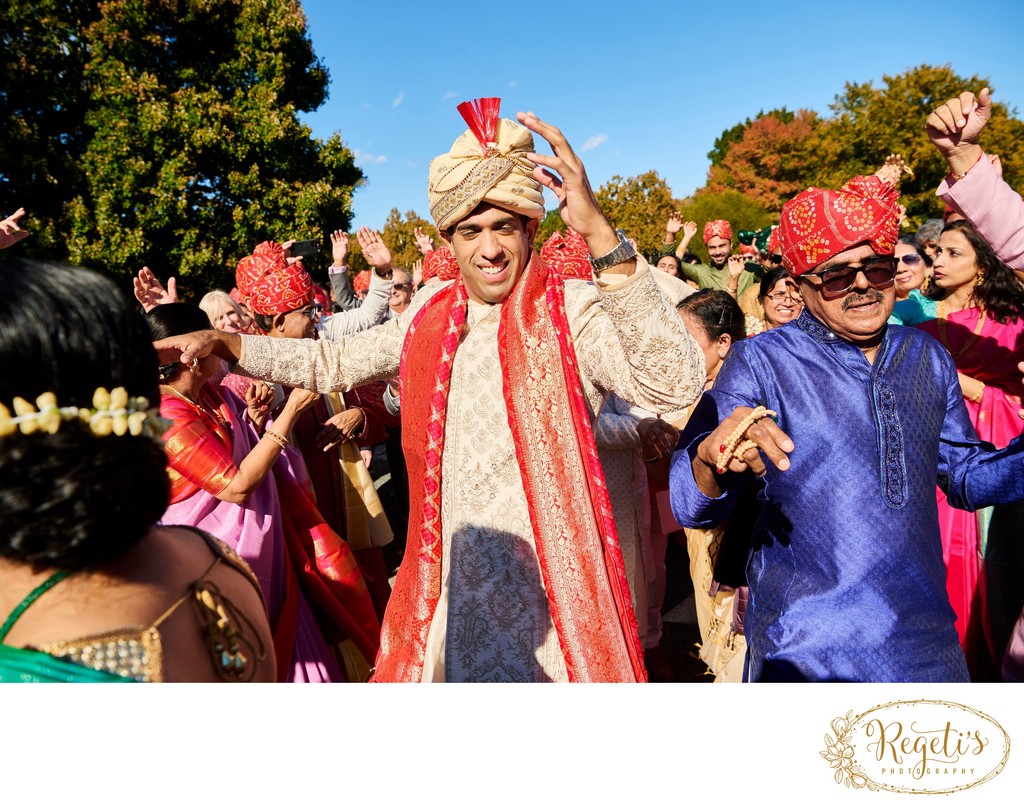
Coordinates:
577	545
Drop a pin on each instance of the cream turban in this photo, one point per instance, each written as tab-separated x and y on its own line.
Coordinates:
471	173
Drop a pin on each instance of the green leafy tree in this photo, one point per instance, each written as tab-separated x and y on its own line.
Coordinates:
398	236
777	154
870	123
551	222
193	151
42	114
640	206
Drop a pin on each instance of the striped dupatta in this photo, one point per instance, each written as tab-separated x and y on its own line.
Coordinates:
577	545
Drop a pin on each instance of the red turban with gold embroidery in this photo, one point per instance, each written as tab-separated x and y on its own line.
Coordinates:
266	257
568	256
818	224
442	263
719	228
270	284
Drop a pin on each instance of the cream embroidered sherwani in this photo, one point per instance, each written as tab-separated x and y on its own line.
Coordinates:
492	621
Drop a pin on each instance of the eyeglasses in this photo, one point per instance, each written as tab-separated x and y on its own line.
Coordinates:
313	312
880	272
778	297
911	259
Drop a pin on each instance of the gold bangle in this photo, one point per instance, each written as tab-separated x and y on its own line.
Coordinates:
277	438
979	395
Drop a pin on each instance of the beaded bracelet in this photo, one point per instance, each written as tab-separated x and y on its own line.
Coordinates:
277	438
734	446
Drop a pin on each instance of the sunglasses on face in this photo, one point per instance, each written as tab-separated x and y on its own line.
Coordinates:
879	271
911	259
313	312
402	287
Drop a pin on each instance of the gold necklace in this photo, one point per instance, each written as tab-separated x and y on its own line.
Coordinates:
940	311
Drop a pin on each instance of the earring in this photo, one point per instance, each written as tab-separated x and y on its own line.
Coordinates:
721	354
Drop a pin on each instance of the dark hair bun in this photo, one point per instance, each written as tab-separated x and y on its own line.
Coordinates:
74	499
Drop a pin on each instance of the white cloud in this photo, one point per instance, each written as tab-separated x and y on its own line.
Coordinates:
449	94
398	100
593	142
368	157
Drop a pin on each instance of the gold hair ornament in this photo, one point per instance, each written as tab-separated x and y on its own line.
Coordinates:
113	412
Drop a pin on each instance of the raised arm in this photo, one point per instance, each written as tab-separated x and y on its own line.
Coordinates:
341	284
375	306
974	187
564	174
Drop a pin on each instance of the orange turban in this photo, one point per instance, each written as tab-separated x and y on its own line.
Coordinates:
568	256
361	282
818	224
719	228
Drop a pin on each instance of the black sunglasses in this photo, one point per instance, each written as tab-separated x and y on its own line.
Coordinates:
880	272
401	287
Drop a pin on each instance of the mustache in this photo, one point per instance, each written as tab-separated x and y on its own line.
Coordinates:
857	298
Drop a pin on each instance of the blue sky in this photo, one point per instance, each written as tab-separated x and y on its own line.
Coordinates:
634	86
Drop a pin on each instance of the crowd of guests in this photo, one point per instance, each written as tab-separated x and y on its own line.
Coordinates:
261	509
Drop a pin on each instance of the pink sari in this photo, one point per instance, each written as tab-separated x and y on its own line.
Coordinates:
969	547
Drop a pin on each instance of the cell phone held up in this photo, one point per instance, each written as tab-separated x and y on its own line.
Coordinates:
306	247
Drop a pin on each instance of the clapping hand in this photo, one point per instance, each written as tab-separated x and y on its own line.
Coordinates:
893	168
737	264
10	230
675	223
689	230
151	293
374	250
423	242
339	248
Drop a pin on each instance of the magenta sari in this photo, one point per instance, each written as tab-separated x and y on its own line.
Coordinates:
255	530
983	574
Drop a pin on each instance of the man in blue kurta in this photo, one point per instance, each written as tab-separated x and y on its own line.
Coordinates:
845	570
